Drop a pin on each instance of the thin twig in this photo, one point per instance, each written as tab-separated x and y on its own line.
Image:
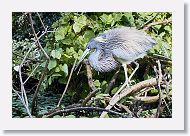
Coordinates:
35	35
84	108
150	20
41	21
70	75
34	99
31	74
45	69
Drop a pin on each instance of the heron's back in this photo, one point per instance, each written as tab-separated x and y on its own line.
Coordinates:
127	44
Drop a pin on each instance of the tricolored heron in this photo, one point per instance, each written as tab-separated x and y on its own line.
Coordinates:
118	46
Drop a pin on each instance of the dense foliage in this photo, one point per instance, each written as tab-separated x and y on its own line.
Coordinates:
65	42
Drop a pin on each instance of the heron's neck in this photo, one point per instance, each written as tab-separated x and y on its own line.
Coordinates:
94	58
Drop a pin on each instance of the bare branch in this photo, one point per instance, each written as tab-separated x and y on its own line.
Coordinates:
90	83
34	102
70	75
47	57
37	39
45	28
129	91
31	74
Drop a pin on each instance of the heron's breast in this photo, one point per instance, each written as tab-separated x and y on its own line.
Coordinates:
105	64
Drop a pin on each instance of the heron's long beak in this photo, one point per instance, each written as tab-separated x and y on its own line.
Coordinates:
82	57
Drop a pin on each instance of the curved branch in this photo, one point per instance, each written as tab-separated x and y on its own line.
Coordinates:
67	85
130	91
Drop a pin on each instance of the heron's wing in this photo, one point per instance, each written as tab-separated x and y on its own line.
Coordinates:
127	43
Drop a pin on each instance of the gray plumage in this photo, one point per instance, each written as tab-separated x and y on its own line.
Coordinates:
118	46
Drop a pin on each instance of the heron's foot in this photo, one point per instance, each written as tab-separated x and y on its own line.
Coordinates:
131	82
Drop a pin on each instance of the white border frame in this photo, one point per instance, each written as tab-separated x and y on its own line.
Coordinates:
174	123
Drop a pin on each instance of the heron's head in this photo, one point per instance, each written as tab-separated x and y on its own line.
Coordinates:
95	43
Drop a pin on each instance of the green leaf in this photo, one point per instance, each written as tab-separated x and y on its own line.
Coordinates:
154	91
43	64
67	41
117	16
57	116
107	19
65	69
58	54
53	53
88	35
61	32
97	83
130	18
62	81
77	27
57	69
56	75
49	81
52	64
104	18
110	19
82	20
114	90
102	95
70	116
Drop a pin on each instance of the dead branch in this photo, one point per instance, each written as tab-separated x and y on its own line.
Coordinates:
84	108
148	99
36	37
34	103
130	91
67	85
90	83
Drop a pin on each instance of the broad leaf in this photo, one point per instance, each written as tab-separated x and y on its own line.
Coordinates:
52	64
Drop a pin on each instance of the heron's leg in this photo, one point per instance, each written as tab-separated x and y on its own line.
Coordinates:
126	83
137	66
111	103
